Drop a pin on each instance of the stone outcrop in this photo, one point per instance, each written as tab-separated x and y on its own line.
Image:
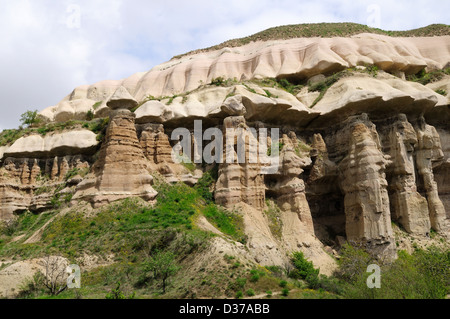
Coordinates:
30	183
429	150
353	156
240	179
409	208
59	144
363	182
121	169
289	188
156	147
302	58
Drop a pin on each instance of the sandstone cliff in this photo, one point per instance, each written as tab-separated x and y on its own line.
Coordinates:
362	142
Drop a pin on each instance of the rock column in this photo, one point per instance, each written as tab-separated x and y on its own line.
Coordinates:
121	170
239	182
366	199
429	150
409	208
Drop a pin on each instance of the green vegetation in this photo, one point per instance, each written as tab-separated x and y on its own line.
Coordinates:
228	223
441	92
98	126
97	105
289	87
301	148
423	275
89	115
303	267
155	247
372	70
162	265
283	84
170	99
30	118
277	146
273	213
325	30
424	77
117	293
324	85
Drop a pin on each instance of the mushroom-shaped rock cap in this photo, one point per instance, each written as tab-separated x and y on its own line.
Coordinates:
121	99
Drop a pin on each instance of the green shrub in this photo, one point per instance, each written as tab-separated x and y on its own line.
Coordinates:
423	275
219	81
9	227
372	70
353	263
324	85
203	187
304	269
283	283
254	278
8	137
89	115
424	77
117	293
240	282
239	295
250	292
289	87
32	286
285	292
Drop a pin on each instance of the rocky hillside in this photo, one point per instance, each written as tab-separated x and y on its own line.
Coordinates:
363	146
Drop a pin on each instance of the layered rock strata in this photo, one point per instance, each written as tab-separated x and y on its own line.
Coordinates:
298	58
121	169
353	155
363	182
30	183
240	180
409	208
289	188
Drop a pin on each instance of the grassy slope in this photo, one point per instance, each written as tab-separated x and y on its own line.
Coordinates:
324	30
132	231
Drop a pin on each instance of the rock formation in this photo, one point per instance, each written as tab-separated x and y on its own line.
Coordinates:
429	150
121	169
364	185
302	58
359	147
409	208
240	179
289	188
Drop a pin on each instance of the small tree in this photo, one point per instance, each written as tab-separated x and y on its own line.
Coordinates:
8	227
30	118
353	262
55	277
163	265
304	269
117	293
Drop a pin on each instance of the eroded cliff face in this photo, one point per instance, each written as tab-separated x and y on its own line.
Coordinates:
367	151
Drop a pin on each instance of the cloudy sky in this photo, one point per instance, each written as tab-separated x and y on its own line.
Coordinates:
49	47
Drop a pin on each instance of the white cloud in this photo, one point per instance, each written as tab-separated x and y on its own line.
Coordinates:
47	47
